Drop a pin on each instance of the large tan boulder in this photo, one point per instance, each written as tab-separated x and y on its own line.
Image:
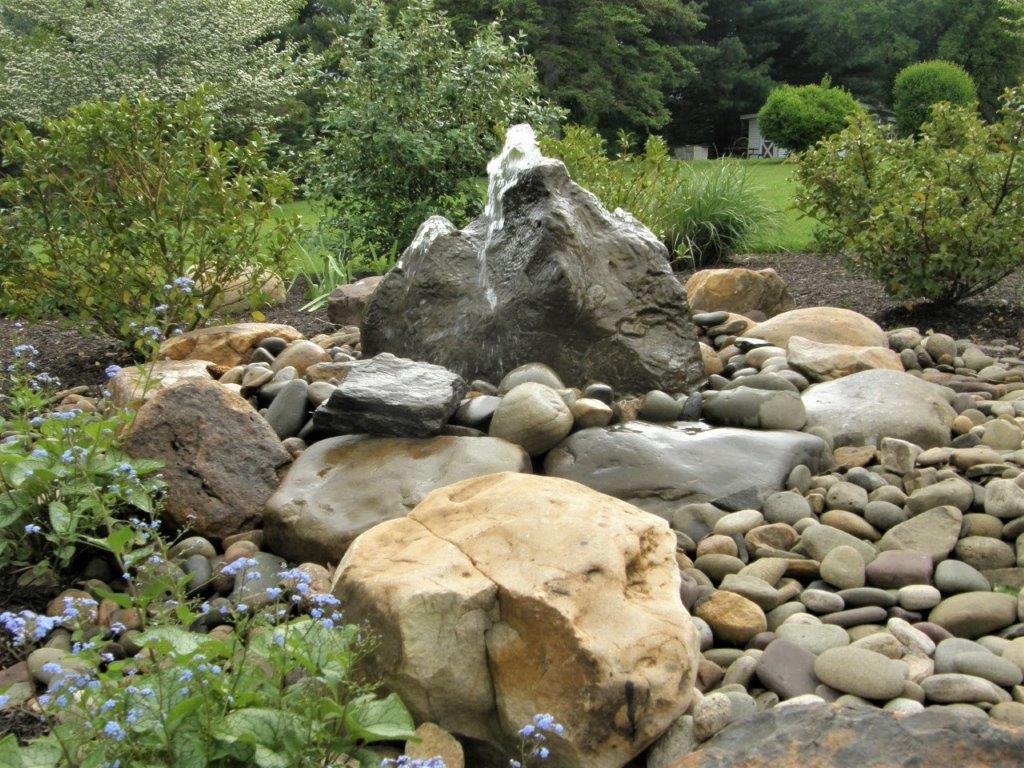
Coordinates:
825	362
508	595
326	501
738	290
221	458
137	383
227	345
828	325
251	288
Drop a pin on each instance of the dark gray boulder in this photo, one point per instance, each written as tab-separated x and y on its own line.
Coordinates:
387	395
546	275
658	468
801	737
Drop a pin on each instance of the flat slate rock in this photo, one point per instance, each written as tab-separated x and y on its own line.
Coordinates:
390	396
798	737
659	467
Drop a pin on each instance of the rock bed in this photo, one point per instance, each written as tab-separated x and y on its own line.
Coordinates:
882	574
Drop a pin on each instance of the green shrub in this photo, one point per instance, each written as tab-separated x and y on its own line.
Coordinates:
411	118
936	217
123	209
798	117
701	212
920	86
63	479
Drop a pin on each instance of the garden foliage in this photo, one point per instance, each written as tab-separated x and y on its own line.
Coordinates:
798	117
936	217
55	54
410	120
921	86
701	213
122	209
64	483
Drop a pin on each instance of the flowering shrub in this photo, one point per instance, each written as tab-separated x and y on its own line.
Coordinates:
279	690
63	481
115	200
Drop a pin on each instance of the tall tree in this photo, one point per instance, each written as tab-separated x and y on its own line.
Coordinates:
57	53
613	64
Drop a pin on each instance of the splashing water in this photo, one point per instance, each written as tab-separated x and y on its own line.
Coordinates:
520	154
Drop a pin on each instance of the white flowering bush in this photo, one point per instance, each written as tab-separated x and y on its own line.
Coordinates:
57	53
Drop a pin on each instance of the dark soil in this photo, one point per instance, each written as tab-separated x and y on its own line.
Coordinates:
77	357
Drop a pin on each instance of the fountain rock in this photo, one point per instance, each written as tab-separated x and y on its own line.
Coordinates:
547	275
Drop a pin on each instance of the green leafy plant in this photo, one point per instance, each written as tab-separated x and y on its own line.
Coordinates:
411	117
702	213
55	54
279	688
328	259
798	117
935	217
63	479
920	86
122	210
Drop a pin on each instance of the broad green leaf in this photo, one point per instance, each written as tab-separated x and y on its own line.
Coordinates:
370	719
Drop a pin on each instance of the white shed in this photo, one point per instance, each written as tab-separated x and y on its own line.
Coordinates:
758	145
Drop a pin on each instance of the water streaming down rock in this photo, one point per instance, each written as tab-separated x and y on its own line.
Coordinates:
546	274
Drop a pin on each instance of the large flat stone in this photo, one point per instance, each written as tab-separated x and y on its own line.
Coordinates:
340	487
660	467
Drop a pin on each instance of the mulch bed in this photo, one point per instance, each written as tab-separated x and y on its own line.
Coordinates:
79	358
815	280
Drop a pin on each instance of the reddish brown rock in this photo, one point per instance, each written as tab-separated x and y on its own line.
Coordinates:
346	303
221	458
738	290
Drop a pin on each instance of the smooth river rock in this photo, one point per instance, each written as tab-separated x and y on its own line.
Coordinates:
660	467
340	487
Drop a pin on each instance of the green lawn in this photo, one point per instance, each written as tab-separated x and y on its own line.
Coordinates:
793	231
773	178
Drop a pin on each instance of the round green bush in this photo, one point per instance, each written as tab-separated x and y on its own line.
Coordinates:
920	86
798	117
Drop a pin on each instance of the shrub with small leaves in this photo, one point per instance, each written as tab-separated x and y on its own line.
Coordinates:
114	201
798	117
936	217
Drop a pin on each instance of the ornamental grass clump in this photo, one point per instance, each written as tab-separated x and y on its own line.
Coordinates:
935	217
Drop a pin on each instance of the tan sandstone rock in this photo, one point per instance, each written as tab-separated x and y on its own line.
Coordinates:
221	458
827	325
340	487
134	384
825	362
346	303
249	287
738	290
712	363
508	595
227	345
433	741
